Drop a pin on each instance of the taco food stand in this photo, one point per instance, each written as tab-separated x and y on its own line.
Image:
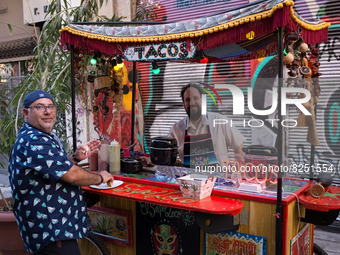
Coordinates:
221	37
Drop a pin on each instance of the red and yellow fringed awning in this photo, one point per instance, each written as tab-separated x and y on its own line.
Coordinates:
206	33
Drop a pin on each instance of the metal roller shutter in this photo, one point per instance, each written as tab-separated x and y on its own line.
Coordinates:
162	103
328	111
328	108
188	9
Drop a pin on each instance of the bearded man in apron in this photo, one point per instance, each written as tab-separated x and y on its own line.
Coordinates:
200	143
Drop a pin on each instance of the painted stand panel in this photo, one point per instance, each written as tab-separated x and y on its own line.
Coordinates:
171	198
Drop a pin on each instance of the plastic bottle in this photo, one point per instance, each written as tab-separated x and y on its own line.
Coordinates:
114	157
103	157
94	161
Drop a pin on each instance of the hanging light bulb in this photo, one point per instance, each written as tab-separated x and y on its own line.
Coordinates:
155	68
203	58
114	64
93	60
120	62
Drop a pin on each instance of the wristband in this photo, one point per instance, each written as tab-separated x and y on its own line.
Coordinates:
101	179
75	158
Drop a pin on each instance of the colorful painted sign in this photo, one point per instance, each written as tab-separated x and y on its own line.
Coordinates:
231	243
300	243
166	230
174	50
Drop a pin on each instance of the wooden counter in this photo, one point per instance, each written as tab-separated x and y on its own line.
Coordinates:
254	213
170	197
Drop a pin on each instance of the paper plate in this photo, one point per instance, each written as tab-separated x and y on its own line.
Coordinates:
116	183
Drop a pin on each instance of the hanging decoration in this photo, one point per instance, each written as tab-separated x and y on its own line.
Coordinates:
120	62
203	58
303	71
155	68
107	91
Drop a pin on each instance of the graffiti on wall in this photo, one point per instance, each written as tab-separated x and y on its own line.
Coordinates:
330	51
158	105
328	108
332	121
263	72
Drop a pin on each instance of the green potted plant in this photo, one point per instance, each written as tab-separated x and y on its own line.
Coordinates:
10	239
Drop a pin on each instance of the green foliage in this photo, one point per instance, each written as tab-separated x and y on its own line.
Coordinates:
10	28
51	67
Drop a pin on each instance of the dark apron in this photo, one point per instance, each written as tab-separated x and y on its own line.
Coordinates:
199	150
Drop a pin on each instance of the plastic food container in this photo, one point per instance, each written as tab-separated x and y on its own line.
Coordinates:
196	186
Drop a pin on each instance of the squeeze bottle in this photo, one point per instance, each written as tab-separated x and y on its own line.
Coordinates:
114	157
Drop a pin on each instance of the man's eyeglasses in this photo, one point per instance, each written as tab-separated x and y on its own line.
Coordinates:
43	108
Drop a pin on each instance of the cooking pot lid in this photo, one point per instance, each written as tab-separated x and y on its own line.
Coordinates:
163	142
260	150
131	160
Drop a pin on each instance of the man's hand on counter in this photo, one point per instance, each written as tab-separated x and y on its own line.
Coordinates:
107	177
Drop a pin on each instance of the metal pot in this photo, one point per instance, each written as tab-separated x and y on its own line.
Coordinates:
260	150
163	150
131	165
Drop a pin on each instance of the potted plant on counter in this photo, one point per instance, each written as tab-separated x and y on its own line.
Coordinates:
10	239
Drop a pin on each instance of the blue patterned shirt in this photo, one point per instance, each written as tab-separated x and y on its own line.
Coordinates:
46	208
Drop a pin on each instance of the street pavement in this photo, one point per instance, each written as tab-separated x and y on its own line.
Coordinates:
326	239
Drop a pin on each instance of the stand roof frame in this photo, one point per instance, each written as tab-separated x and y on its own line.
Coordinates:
262	17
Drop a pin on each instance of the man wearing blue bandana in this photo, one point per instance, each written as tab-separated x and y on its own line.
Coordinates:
48	202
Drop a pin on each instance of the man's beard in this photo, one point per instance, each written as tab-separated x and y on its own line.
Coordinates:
194	115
